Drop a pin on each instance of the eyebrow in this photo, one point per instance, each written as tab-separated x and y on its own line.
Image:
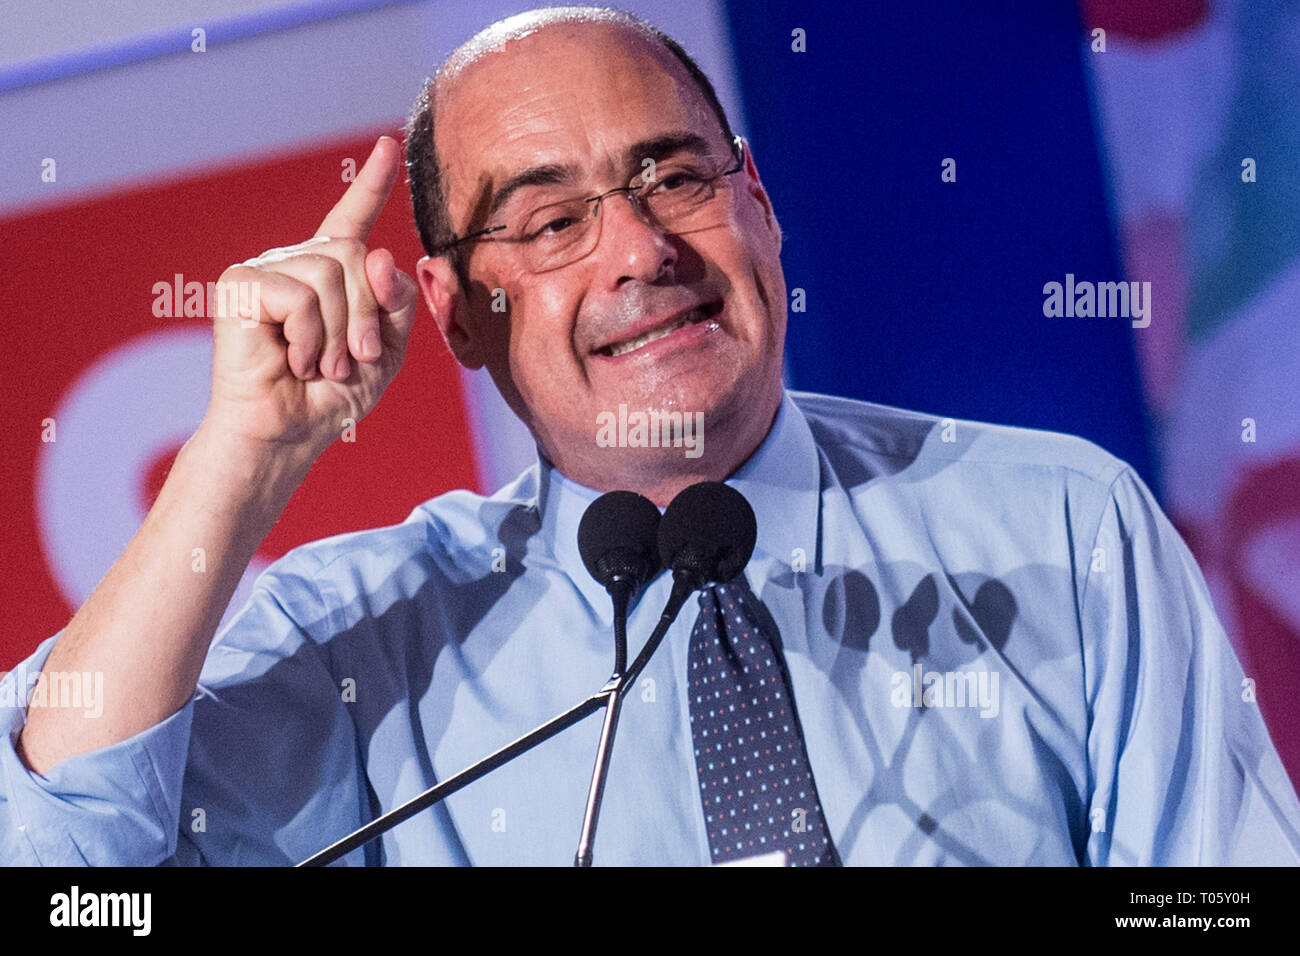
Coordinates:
661	147
550	174
553	174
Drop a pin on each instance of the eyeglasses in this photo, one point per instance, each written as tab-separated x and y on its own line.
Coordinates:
682	196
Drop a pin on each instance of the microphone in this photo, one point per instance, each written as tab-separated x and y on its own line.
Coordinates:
706	536
618	539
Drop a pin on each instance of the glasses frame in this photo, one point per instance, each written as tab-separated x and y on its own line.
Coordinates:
737	149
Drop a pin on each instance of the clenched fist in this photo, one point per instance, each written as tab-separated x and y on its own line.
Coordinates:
308	336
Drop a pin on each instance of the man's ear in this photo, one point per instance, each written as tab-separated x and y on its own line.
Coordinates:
442	290
755	187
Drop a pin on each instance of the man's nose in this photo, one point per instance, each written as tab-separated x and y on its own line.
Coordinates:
638	246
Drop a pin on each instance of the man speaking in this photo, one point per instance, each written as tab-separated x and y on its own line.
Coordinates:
954	643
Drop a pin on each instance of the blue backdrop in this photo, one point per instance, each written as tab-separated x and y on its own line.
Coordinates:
922	293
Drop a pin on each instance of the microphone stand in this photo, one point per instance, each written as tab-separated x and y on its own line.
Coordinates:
449	786
610	695
620	590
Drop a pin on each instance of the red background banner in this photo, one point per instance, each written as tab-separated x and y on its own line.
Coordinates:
88	290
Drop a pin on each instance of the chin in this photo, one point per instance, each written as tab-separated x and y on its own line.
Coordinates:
705	391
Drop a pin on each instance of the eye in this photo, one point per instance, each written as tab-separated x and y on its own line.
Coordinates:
678	181
553	227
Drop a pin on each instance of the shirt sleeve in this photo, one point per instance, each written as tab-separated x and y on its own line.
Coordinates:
274	773
1182	769
259	767
113	806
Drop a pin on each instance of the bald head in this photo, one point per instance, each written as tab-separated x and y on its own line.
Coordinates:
493	38
427	171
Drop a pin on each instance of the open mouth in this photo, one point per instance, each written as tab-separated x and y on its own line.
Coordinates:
695	316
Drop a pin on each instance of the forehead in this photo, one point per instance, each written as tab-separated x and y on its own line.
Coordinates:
566	94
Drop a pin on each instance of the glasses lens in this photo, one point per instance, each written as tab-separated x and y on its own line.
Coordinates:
688	201
558	234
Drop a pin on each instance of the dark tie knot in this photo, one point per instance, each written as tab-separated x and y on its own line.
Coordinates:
723	594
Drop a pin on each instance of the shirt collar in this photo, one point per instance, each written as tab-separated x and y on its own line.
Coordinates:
781	481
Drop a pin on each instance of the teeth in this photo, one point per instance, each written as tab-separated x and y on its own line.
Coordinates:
631	345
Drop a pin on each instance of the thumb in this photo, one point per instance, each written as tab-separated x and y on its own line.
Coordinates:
394	290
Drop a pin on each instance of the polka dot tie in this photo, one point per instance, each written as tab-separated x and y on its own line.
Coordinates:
755	781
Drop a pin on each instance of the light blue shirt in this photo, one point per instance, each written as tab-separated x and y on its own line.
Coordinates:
1000	650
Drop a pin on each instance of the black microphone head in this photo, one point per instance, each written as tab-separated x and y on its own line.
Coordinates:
708	531
619	535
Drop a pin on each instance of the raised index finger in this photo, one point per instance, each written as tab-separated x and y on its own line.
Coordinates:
354	215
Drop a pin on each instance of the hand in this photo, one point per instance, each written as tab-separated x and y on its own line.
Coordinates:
307	337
